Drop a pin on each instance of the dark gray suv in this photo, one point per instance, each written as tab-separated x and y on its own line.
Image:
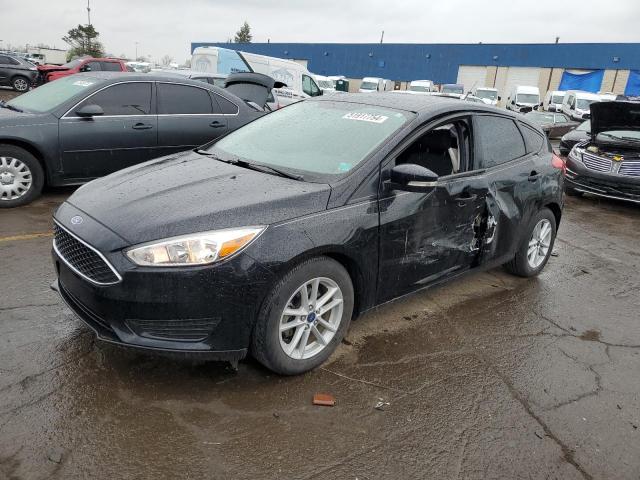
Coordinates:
17	72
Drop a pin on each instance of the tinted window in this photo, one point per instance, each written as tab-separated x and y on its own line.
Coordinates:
226	106
8	60
123	99
309	86
94	66
497	140
532	139
111	66
183	99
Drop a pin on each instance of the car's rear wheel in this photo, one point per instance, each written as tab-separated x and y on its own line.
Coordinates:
21	176
304	318
536	247
20	84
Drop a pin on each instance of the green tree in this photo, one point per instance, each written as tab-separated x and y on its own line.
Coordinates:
244	34
83	40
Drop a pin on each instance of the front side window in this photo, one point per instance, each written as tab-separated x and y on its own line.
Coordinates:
176	99
122	99
309	86
497	141
296	137
92	67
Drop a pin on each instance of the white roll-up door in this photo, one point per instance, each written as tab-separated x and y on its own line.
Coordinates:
471	76
520	76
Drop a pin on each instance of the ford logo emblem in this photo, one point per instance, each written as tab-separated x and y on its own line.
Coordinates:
77	220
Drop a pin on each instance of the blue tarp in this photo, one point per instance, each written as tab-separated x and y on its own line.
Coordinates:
633	84
588	82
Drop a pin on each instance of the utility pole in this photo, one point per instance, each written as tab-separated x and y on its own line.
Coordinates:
136	57
382	36
88	12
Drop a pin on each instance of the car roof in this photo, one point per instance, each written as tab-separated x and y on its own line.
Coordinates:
189	73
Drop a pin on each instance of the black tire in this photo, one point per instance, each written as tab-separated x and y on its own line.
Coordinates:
20	84
265	342
572	192
519	265
37	176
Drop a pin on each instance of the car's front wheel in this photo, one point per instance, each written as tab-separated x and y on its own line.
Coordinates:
20	84
21	176
536	247
304	318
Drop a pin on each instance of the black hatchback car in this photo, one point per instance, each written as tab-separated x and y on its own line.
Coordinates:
87	125
272	238
17	73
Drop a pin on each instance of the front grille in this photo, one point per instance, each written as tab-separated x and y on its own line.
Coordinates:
83	259
176	330
630	168
594	162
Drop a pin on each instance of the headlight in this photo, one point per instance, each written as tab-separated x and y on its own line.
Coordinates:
576	154
195	249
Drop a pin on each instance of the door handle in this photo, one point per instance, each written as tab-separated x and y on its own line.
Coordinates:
216	124
533	176
142	126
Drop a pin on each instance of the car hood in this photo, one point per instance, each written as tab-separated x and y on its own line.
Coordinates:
188	193
11	118
614	116
51	68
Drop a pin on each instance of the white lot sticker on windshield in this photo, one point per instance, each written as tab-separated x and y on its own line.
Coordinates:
82	83
366	117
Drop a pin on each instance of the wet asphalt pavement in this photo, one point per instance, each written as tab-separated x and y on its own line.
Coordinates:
488	377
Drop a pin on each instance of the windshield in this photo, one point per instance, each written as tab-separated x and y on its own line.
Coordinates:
540	117
452	89
53	94
325	83
527	98
490	94
557	99
585	126
630	135
583	103
369	86
419	88
296	137
72	63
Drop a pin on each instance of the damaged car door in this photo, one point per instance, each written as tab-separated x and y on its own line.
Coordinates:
430	232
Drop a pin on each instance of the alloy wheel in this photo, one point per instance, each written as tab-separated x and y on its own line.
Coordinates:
311	318
15	178
21	85
539	243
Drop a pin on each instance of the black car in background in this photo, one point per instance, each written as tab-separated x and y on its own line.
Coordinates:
608	164
91	124
16	72
570	139
272	238
553	124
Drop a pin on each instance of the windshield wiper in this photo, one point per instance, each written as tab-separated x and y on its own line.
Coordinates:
258	167
10	107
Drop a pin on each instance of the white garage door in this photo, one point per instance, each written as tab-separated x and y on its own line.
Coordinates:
471	76
520	76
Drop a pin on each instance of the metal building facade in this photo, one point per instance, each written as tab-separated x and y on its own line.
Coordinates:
441	62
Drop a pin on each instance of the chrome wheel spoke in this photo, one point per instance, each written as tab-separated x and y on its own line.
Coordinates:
538	247
327	325
318	335
295	340
290	325
326	297
15	178
303	342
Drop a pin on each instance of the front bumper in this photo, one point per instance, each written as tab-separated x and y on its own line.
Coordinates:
207	312
582	179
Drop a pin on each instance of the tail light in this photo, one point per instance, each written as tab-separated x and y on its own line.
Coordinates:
559	163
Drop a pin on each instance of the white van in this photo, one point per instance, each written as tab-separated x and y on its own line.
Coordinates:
553	101
421	87
488	95
325	84
300	82
372	84
576	104
523	98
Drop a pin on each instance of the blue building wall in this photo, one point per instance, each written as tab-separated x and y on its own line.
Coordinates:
440	62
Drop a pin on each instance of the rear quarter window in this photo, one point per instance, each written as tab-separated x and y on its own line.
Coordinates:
497	140
532	139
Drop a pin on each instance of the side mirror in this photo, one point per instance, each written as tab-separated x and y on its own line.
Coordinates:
89	111
410	177
513	102
499	98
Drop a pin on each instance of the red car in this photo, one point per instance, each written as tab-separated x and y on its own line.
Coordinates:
53	72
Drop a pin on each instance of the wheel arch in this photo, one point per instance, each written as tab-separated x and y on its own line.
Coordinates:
556	210
32	149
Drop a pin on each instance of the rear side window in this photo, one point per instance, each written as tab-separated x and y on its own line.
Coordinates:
227	107
8	60
532	139
497	140
111	66
123	99
183	100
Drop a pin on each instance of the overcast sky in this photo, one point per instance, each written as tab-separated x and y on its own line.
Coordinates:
169	26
